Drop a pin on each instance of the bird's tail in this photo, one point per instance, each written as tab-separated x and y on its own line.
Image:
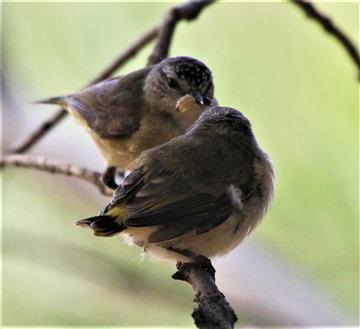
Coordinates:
59	100
102	225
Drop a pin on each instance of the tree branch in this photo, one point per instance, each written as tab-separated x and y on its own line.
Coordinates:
55	167
187	11
127	54
213	310
40	132
329	26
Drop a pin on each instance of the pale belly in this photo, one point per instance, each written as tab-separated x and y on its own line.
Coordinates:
216	242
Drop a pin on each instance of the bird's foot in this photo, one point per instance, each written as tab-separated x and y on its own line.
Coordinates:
198	262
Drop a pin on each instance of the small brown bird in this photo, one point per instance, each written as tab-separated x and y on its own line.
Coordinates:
196	196
129	114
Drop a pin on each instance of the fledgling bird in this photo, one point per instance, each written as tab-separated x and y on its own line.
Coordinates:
129	114
196	196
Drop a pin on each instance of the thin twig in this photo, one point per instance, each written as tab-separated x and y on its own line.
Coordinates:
46	126
127	54
40	132
213	310
55	167
329	26
187	11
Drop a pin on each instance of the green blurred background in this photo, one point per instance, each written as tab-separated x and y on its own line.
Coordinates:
293	81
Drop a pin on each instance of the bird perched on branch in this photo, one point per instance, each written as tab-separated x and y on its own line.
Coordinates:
196	196
129	114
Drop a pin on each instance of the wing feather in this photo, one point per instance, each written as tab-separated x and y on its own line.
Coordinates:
176	208
113	107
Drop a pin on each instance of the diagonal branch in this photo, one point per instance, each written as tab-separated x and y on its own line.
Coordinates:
127	54
55	167
40	132
329	26
187	11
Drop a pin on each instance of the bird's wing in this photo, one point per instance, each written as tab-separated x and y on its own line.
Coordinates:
112	108
169	203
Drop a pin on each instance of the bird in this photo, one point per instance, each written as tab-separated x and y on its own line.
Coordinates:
128	114
194	197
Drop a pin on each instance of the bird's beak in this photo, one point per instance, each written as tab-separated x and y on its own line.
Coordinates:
201	100
186	102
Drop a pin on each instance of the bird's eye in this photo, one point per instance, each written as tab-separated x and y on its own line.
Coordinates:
172	83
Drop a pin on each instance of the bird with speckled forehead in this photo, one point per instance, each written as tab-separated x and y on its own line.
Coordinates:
132	113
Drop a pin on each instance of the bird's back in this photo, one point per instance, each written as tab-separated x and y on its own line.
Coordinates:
111	108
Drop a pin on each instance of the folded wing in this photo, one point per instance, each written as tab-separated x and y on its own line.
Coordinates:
169	203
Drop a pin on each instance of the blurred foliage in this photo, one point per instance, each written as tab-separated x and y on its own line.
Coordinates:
292	80
50	261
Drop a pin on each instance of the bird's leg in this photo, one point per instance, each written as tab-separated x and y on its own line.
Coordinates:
198	261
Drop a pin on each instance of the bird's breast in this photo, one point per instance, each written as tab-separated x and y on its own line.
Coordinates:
121	152
215	242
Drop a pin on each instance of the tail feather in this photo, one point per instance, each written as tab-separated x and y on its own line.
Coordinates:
102	225
60	100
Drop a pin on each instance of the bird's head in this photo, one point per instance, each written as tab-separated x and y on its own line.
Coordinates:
225	122
175	77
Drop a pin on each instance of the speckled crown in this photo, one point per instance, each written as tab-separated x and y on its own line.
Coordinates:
190	69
